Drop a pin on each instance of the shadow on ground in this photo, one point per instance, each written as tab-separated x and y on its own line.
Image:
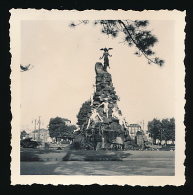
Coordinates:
71	155
90	155
29	154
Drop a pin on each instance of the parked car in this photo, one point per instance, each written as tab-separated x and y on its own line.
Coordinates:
168	147
28	143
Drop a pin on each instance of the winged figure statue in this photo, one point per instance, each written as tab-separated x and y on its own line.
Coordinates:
105	56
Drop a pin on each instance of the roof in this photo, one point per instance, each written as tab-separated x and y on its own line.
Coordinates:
37	130
134	125
66	120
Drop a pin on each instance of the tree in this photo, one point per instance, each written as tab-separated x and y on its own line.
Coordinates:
58	128
162	130
171	129
68	131
168	128
83	113
165	133
25	68
134	33
23	134
154	128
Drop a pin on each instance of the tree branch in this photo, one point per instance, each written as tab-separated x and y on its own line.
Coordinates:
121	22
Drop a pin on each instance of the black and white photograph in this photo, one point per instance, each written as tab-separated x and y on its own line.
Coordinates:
97	97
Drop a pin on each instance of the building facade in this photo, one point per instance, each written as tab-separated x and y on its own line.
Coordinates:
133	129
42	135
67	122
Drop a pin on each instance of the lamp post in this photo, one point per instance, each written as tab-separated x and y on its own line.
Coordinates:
35	129
39	122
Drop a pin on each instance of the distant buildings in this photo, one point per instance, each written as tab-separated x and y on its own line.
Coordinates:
133	129
42	135
67	122
138	135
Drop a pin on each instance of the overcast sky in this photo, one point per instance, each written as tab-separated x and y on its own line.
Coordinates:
64	72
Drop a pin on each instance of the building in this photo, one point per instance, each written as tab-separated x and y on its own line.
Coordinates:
23	135
67	122
43	134
133	129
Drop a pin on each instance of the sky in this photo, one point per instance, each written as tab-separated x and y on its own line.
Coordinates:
63	72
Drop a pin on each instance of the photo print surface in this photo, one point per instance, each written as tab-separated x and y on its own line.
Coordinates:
94	97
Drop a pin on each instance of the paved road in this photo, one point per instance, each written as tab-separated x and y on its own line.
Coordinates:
149	163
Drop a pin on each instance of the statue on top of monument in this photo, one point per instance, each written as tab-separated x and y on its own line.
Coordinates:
105	56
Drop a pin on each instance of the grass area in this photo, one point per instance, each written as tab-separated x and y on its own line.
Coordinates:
29	154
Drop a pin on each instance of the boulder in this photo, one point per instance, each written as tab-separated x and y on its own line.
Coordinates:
99	68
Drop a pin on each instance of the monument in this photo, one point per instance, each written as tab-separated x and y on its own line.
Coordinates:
105	125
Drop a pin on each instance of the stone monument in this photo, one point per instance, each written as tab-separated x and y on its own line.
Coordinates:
105	125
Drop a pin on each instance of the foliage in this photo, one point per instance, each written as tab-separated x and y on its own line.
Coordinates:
25	68
58	128
28	143
83	113
162	130
69	131
168	129
134	33
154	127
23	134
76	145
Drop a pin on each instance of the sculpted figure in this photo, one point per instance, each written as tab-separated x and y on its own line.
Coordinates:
92	95
116	114
78	129
93	117
105	56
106	109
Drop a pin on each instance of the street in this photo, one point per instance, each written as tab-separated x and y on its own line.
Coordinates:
106	163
